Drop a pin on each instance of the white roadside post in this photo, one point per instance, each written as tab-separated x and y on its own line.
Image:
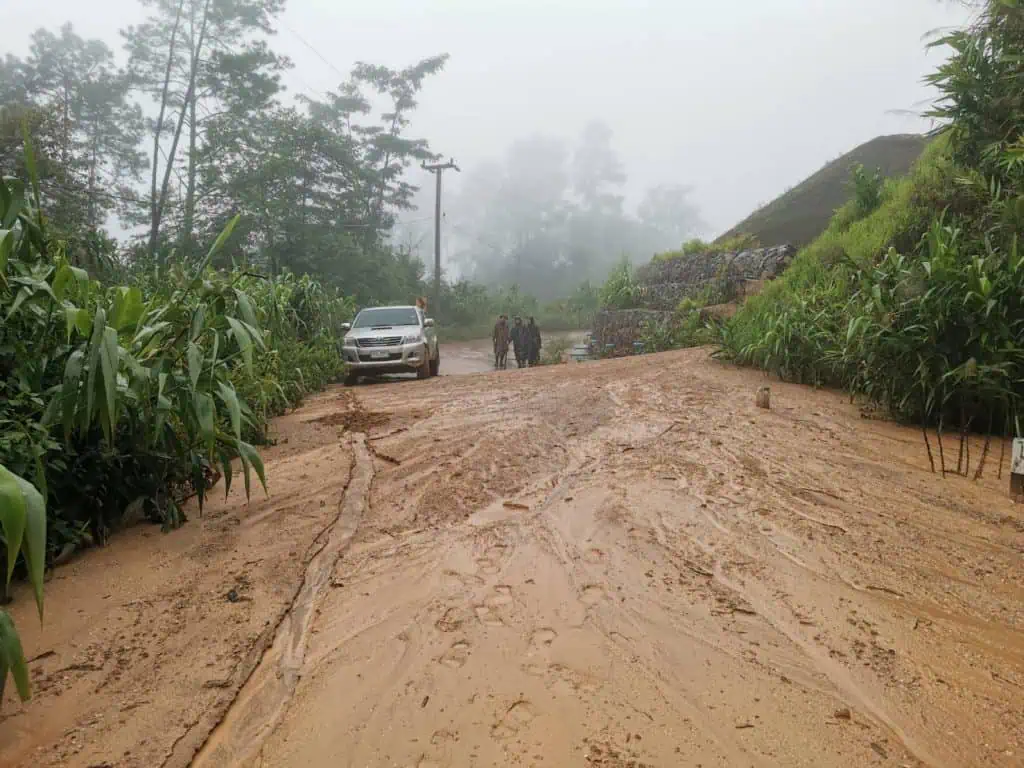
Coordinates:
1017	470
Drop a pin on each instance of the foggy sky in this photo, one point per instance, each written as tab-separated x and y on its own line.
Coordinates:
740	99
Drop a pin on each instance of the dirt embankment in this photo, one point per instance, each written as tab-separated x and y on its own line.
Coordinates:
615	563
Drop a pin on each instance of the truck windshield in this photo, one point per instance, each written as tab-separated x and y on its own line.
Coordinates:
369	318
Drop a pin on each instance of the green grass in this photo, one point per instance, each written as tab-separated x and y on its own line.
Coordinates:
822	269
804	212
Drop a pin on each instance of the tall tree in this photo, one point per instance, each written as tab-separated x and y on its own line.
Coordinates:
201	61
323	182
86	127
382	150
597	171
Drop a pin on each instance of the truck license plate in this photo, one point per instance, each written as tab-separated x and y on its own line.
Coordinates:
380	355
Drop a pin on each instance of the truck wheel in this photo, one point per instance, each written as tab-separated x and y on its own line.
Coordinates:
351	379
435	364
423	372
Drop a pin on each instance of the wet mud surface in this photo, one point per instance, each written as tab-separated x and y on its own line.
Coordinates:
614	563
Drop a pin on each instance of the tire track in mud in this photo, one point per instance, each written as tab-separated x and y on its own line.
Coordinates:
263	698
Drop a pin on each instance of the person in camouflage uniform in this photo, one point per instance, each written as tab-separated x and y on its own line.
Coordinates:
520	341
533	343
501	338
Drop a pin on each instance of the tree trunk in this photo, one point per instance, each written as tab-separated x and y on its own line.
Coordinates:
155	205
91	202
190	189
189	92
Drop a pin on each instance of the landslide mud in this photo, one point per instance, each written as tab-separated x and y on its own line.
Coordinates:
618	563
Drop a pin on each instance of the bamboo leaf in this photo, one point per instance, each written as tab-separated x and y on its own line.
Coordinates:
215	248
12	517
195	363
245	308
99	325
61	279
14	202
12	658
6	248
206	416
110	362
69	389
33	172
250	456
230	399
128	308
33	545
198	322
243	339
225	463
22	295
213	355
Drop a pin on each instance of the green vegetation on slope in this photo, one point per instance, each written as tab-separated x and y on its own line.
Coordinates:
919	305
802	213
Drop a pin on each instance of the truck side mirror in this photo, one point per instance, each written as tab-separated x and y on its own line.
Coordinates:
428	322
346	327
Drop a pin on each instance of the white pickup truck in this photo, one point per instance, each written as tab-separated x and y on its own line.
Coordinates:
391	340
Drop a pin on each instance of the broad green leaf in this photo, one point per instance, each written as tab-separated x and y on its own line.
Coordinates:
83	279
245	308
12	517
225	463
99	325
69	389
128	308
12	658
6	248
206	416
213	355
61	278
251	458
33	545
243	339
230	399
257	336
76	318
147	334
219	243
109	360
22	295
195	363
198	322
14	202
33	172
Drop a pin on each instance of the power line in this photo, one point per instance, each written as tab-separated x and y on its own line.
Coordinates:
314	50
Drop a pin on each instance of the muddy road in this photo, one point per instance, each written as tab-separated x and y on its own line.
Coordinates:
616	563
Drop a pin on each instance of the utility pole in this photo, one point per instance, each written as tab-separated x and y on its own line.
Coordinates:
438	169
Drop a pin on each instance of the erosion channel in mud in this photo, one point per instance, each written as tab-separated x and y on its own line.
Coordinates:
615	563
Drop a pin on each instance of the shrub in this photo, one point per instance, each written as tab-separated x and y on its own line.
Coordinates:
619	290
554	350
143	394
919	305
866	188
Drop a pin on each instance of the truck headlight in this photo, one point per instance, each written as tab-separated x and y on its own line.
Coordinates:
348	341
414	338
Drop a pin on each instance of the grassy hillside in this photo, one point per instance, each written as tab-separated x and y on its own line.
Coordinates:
801	214
792	325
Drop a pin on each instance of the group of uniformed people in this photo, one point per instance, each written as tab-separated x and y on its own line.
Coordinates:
524	338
